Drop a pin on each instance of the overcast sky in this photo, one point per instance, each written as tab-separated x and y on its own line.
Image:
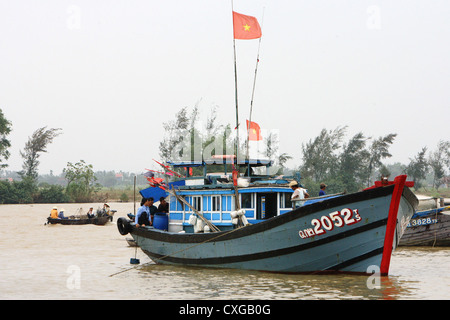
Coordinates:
110	72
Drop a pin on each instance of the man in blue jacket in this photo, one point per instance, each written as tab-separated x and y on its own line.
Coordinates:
143	214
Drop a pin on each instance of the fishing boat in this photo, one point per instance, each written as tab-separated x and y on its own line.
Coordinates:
101	218
243	220
80	221
348	233
428	228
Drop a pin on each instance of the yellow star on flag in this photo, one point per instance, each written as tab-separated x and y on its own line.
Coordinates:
245	27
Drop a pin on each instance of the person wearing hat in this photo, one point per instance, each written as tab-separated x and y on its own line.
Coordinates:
322	189
106	208
54	213
61	214
299	193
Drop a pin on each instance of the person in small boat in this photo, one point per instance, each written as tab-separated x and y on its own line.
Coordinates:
61	215
107	209
143	214
54	213
90	213
163	205
299	193
322	192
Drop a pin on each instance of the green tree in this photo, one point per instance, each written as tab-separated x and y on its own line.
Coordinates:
417	168
272	152
36	144
52	194
175	131
5	129
438	160
320	159
183	140
80	181
16	192
379	150
353	163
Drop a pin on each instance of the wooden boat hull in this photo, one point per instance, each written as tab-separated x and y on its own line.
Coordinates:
344	234
97	221
430	228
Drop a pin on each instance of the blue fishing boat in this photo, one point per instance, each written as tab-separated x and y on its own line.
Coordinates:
254	226
246	221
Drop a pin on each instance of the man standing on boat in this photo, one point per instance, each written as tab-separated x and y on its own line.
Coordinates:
299	193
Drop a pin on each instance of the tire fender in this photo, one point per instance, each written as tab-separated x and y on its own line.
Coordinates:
123	225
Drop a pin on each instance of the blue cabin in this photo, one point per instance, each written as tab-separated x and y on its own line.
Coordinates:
213	194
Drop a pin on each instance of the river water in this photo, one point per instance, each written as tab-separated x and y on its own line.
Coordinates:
39	261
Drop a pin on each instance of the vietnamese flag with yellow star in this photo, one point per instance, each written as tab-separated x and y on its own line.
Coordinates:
254	131
245	27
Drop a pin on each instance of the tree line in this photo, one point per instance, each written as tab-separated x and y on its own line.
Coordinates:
343	165
355	164
77	183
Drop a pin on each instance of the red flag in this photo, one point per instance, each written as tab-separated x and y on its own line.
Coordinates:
254	131
245	27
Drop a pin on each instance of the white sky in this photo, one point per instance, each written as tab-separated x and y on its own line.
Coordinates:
110	72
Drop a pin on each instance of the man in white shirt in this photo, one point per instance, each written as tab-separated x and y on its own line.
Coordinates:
299	193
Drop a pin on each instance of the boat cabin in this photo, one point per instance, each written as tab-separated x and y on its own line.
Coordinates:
213	193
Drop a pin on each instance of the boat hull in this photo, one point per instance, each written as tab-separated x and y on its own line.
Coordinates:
432	229
344	234
97	221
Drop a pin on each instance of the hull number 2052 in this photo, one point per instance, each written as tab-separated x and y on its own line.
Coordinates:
329	222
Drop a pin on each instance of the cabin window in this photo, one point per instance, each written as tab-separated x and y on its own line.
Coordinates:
226	203
197	203
285	200
176	205
215	203
247	200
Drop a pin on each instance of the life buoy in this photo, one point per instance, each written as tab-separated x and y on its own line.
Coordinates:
123	225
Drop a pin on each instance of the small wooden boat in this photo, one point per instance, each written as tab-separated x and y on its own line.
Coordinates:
100	221
428	228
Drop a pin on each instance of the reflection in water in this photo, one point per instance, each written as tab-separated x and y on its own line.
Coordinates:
76	262
198	283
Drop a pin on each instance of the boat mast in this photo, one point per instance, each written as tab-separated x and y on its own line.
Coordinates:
236	146
253	91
